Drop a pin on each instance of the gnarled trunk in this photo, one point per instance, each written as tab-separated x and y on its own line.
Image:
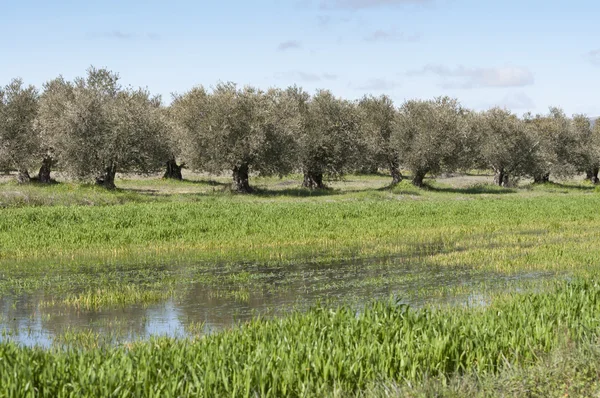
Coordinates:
107	178
173	170
418	178
541	178
240	179
592	175
23	177
313	180
44	174
395	172
501	178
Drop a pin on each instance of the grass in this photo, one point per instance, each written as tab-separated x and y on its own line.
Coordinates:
325	351
68	250
155	245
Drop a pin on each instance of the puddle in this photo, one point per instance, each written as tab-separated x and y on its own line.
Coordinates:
243	291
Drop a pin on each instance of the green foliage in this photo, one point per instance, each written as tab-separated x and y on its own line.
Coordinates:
378	117
554	143
235	129
431	136
95	128
504	144
329	143
20	146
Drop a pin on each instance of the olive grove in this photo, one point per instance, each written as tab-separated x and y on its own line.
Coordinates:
90	128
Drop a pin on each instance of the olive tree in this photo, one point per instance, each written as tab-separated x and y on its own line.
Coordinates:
241	130
504	143
587	147
377	123
96	128
431	136
57	94
328	144
555	144
19	142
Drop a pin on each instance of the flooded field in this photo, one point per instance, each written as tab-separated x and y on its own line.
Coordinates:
215	299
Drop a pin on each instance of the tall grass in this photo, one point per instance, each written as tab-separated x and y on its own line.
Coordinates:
322	352
219	227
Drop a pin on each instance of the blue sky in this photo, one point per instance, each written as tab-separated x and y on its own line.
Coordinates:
525	55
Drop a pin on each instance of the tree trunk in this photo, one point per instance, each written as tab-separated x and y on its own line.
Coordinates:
107	179
541	178
313	180
173	170
501	178
23	176
592	175
418	178
240	179
44	174
395	172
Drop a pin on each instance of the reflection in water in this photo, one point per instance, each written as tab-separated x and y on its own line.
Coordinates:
29	319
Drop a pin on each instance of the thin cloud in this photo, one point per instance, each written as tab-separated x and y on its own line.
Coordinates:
289	45
520	101
378	85
468	78
121	35
390	35
308	77
324	21
363	4
593	57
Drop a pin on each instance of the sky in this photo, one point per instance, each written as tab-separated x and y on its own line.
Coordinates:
525	55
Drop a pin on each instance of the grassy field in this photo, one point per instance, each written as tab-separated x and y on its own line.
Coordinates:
152	240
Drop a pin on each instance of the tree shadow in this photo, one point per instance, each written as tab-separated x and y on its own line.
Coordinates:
297	192
401	188
557	185
477	189
212	183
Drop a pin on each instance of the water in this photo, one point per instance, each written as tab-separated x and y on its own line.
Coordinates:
271	291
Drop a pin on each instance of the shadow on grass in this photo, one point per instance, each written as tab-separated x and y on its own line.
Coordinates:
212	183
296	192
477	189
405	187
556	185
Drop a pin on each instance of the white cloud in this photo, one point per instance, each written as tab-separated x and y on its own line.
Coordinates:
289	45
378	84
518	100
121	35
391	35
362	4
306	76
467	78
594	57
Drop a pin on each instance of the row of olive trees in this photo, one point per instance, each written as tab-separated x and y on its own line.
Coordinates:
92	127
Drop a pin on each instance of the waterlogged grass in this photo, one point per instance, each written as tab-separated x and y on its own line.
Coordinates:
119	296
154	239
249	228
323	352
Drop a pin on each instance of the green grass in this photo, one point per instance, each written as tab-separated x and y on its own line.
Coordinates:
153	245
323	352
87	249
